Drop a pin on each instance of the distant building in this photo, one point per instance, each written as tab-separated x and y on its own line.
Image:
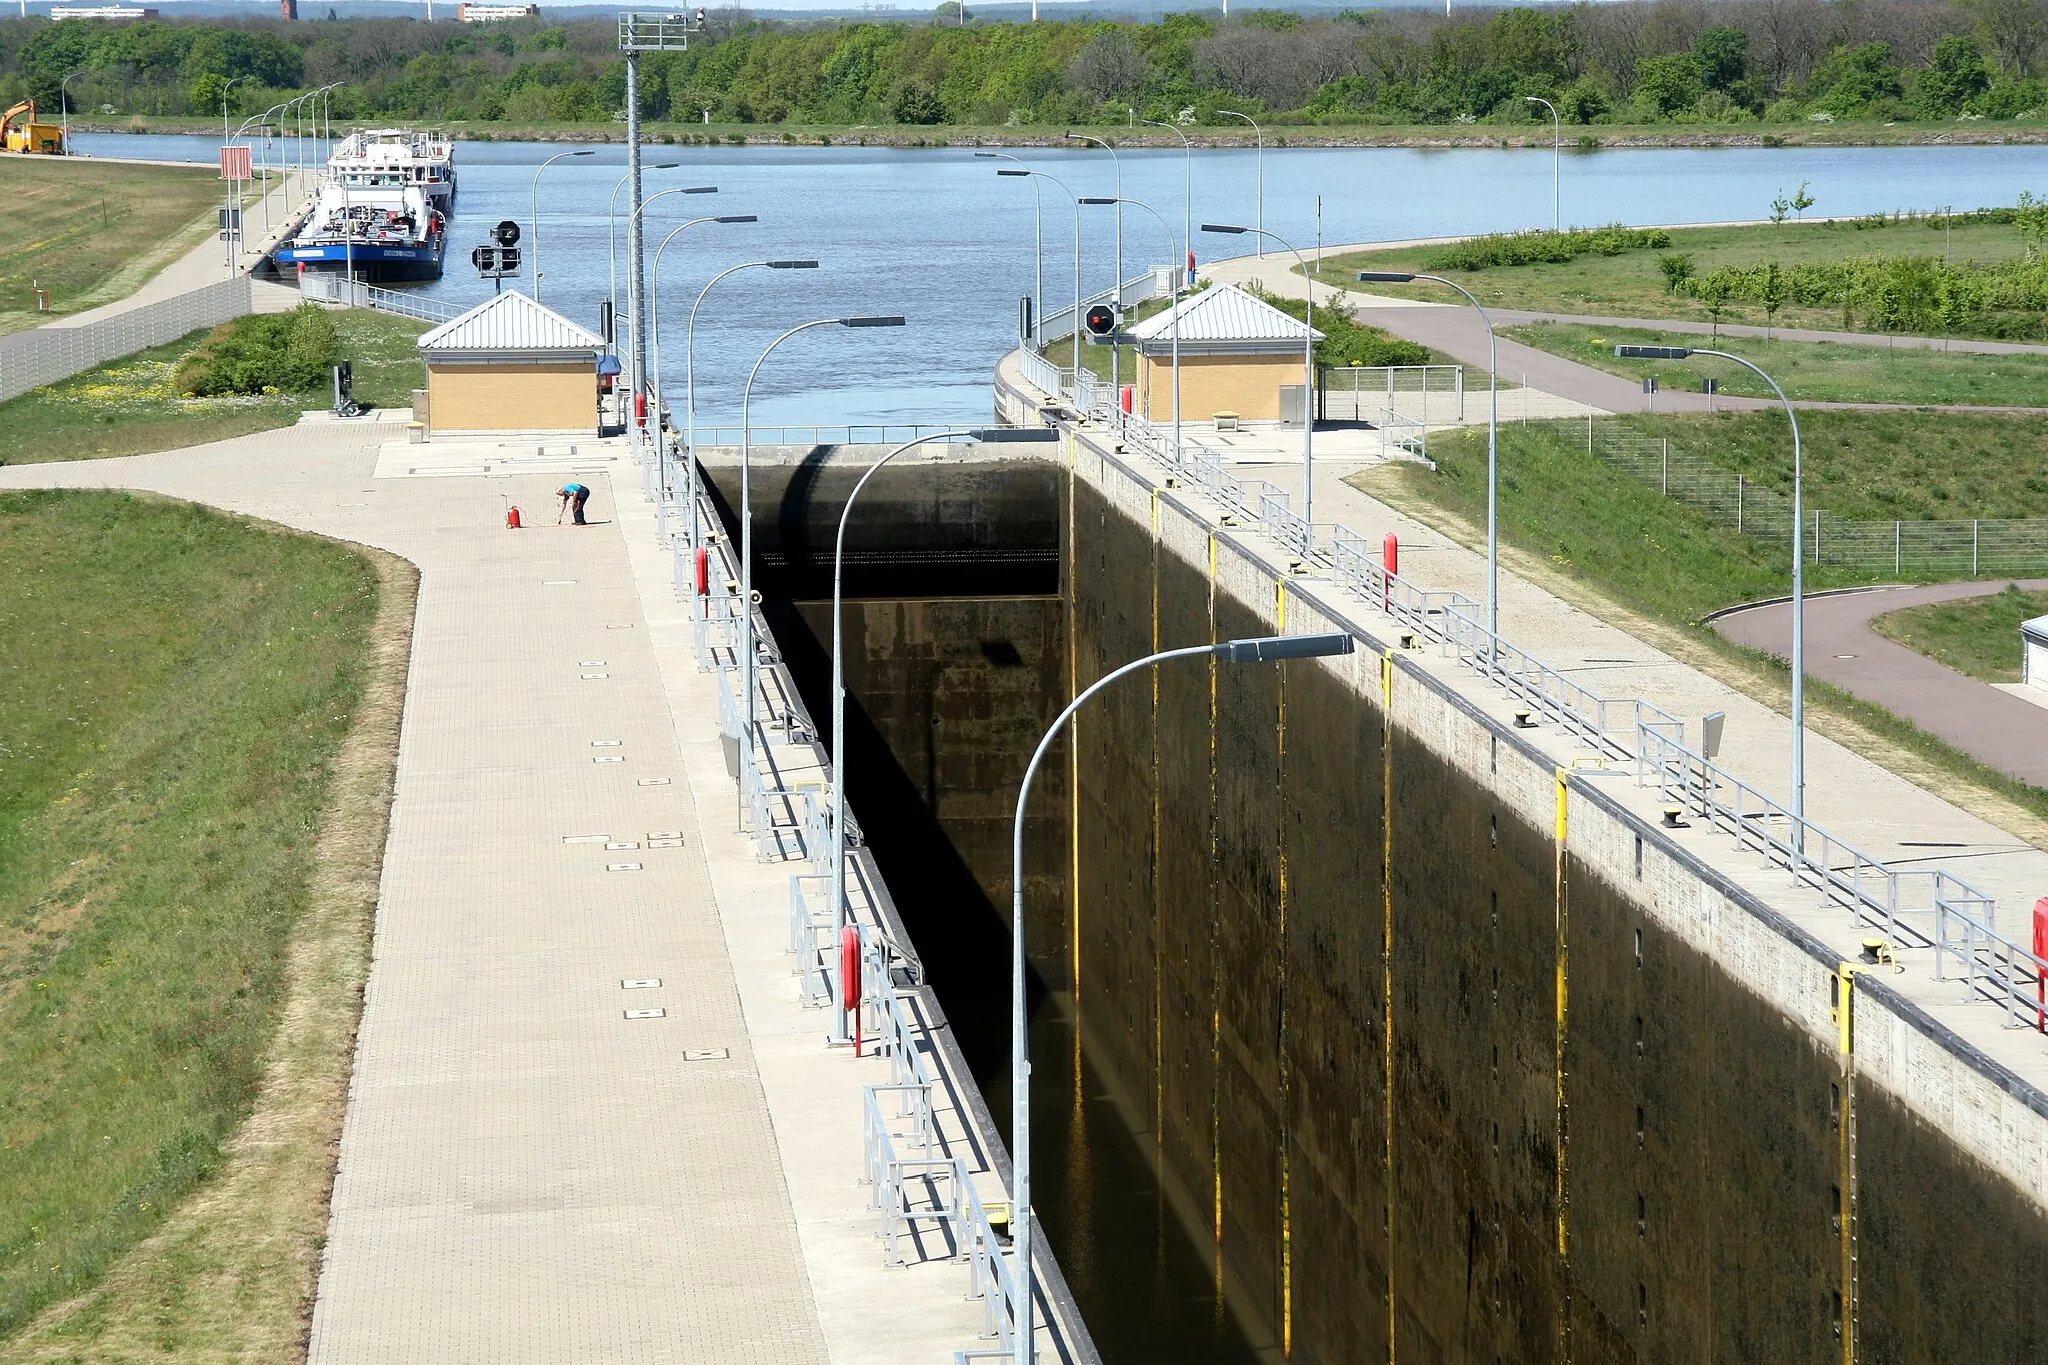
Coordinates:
484	14
111	13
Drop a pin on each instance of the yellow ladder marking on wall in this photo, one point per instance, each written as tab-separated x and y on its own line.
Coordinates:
1387	957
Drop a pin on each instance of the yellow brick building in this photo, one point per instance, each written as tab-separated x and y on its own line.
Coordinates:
511	365
1236	354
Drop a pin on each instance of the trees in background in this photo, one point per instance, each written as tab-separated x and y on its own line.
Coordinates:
1642	61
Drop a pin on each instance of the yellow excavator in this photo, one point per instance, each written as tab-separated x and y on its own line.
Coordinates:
20	132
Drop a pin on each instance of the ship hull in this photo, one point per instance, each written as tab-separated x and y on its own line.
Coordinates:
374	263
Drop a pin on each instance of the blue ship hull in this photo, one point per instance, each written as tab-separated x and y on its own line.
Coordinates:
372	262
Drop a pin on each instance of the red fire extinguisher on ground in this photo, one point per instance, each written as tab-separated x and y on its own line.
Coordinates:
849	979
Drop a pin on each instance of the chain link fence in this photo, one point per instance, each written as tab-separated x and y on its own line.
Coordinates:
1905	548
46	355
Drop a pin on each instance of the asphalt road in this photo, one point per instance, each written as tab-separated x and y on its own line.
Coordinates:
1995	727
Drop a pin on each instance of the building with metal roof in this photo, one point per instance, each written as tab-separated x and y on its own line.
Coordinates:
511	365
1237	356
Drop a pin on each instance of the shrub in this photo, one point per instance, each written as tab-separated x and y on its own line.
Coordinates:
279	352
1553	248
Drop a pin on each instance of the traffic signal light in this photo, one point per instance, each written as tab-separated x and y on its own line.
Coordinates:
506	233
1100	320
484	258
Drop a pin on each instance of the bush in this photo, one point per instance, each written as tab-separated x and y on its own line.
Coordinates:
1347	343
280	352
1553	248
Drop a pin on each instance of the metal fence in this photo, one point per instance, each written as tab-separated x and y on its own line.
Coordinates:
323	287
1419	393
1920	548
1138	288
1042	374
47	355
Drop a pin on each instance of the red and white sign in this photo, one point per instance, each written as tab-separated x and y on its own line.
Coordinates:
234	163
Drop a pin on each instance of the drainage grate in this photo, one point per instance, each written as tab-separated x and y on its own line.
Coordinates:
664	843
664	834
586	838
625	846
626	626
647	1014
590	663
557	582
609	758
597	675
622	867
706	1054
644	983
606	743
654	781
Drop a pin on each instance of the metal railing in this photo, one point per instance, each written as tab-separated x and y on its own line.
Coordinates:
1137	289
51	354
323	287
1041	374
1419	393
890	434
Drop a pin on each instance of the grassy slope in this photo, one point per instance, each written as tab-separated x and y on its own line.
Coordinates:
1880	465
1631	286
127	406
176	690
1979	636
91	232
1821	372
1653	567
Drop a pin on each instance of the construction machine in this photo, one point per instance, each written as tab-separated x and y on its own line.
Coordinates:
20	131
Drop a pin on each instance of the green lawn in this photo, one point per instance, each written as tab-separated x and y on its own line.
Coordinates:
1821	372
1979	636
92	232
175	688
128	406
1630	285
1877	466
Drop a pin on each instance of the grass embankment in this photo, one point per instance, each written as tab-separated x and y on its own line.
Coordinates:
1810	371
199	718
91	233
133	405
1653	566
1631	284
1979	636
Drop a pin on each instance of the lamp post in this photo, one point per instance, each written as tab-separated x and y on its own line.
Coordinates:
1308	377
1492	436
612	230
690	372
1188	230
1174	318
1798	570
638	386
654	313
1262	649
1259	203
1556	152
1077	260
228	195
1037	250
64	106
748	662
1116	289
562	156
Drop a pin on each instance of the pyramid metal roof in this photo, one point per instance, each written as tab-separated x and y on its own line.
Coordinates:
511	323
1219	315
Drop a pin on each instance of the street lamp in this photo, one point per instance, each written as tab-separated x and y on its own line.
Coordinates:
228	200
1556	152
690	370
64	107
1188	150
1037	249
612	219
1259	137
1077	261
1492	438
535	257
1116	291
748	662
1308	378
1798	571
1262	649
654	311
1174	318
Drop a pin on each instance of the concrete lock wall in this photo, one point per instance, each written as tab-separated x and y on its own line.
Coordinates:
1454	1059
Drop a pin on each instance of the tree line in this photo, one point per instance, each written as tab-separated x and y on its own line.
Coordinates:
1641	62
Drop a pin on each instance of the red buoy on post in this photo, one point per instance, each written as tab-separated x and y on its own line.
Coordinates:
849	979
1390	560
640	408
1125	399
2041	951
703	572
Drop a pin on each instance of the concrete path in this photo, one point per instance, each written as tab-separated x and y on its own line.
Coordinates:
527	1172
1996	728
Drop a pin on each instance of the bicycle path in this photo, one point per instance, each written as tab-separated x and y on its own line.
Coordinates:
1996	728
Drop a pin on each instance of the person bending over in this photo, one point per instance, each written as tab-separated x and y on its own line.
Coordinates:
573	495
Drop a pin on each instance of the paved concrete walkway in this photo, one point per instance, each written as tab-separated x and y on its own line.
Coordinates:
1994	727
527	1172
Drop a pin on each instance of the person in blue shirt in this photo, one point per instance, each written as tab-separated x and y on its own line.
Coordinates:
574	494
